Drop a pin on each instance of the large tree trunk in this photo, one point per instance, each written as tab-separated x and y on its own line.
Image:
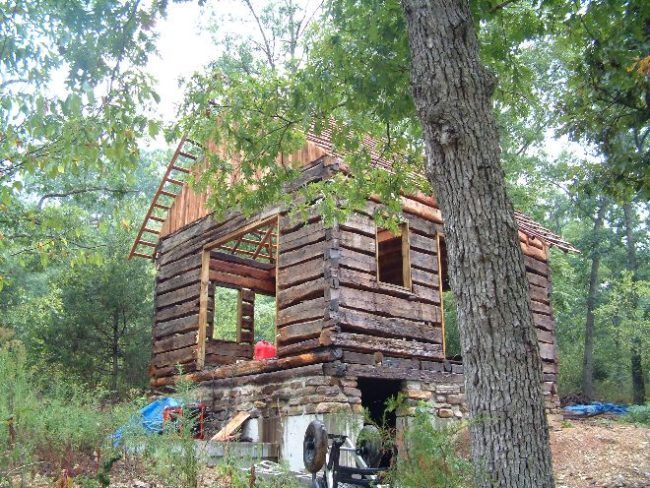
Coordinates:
638	381
510	445
588	356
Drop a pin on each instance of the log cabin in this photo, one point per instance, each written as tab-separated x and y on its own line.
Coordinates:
356	312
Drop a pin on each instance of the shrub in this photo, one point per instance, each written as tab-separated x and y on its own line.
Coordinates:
428	456
638	414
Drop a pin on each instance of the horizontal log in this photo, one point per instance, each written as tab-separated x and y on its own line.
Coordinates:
547	351
535	266
532	251
172	358
359	223
176	326
163	371
227	348
184	265
545	322
220	257
302	312
243	270
538	293
179	281
176	341
358	242
300	347
300	273
544	336
263	286
256	367
425	278
300	331
304	291
386	305
305	235
538	280
542	308
359	279
367	323
353	259
422	243
392	346
301	254
427	262
177	311
190	292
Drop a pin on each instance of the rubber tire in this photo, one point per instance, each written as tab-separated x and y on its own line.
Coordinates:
369	446
314	446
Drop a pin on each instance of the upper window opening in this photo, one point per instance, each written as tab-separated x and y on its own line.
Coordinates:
393	264
226	314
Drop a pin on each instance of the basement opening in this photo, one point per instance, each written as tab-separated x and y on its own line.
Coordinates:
374	394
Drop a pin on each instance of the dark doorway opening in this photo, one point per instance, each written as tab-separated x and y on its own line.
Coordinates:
374	393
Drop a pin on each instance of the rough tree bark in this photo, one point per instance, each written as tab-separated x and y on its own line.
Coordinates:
588	356
452	90
638	381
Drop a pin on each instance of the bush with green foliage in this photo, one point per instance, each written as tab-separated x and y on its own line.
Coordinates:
428	456
638	414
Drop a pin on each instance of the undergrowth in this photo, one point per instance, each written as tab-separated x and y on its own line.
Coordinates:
638	414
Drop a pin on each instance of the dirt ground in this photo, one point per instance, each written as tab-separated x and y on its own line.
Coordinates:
600	452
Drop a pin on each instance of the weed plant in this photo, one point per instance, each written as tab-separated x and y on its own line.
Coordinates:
638	414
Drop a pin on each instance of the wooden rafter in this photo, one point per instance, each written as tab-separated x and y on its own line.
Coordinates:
266	237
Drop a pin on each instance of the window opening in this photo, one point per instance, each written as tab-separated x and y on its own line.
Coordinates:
226	314
264	318
393	263
449	314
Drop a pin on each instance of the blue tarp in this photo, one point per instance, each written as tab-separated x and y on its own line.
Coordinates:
597	408
149	420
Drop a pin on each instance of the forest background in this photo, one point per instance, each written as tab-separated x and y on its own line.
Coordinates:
77	172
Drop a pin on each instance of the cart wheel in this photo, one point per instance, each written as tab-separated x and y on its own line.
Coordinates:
369	446
314	446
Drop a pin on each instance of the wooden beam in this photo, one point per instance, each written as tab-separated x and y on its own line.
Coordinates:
261	243
203	310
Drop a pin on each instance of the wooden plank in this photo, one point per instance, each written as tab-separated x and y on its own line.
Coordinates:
545	322
178	267
425	244
235	280
302	254
176	341
364	322
539	294
304	291
387	305
542	308
538	280
180	295
203	309
355	260
231	427
358	242
535	266
298	347
359	279
179	281
294	275
299	331
392	346
177	311
304	311
172	358
255	367
308	234
359	223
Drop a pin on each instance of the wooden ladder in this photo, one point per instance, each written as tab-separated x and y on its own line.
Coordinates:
186	154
